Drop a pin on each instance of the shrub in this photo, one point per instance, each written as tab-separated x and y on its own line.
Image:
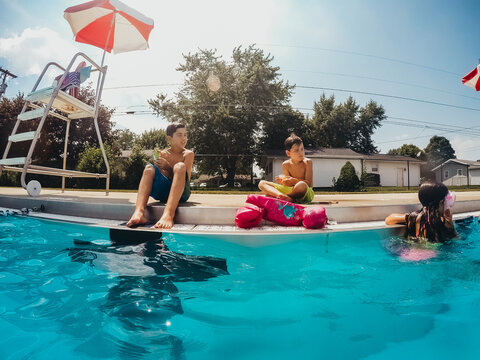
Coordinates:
91	160
134	167
348	179
9	178
370	179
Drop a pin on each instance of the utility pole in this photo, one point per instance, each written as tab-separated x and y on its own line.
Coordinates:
3	85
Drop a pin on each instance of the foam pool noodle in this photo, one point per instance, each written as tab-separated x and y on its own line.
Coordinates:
278	211
314	217
248	216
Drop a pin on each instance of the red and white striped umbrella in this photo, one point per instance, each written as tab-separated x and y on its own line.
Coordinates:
110	25
472	78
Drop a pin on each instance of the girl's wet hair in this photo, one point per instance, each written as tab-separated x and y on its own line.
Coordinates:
431	193
430	218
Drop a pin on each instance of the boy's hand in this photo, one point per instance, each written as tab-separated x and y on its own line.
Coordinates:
279	178
164	166
289	181
162	163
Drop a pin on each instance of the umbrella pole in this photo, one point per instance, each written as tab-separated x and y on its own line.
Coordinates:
103	57
105	50
108	36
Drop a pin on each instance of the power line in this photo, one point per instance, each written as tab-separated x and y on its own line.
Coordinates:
447	130
413	138
342	90
383	80
364	55
388	96
443	126
140	85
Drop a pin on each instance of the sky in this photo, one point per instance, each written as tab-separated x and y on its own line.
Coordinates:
409	56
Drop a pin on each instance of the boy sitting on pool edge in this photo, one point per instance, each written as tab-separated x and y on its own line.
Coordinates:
167	180
295	184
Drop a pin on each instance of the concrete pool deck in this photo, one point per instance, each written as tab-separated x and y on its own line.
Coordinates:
218	209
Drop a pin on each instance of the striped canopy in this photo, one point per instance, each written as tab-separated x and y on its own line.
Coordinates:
110	25
472	78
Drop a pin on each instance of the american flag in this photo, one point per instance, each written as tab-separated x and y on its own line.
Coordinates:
71	80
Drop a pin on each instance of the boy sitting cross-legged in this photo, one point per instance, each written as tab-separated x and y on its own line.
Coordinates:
295	185
167	180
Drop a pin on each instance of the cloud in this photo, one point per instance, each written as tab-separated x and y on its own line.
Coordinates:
139	123
29	52
181	27
466	147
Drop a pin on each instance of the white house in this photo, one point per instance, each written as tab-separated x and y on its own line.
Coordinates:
458	172
327	162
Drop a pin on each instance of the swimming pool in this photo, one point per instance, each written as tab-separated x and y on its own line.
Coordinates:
67	292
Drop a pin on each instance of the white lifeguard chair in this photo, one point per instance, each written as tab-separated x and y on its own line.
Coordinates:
52	101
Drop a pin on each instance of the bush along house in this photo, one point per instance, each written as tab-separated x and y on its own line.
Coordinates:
381	169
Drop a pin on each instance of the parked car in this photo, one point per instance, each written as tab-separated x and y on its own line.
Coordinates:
235	184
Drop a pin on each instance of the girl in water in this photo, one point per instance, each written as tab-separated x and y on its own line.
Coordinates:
434	221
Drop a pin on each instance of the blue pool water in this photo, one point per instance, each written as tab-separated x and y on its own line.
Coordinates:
67	293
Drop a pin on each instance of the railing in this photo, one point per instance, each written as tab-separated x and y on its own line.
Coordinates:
227	172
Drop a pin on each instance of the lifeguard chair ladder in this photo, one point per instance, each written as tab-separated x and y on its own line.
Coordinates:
55	102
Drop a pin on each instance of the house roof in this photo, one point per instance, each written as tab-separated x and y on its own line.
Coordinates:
127	153
342	153
324	153
469	163
386	157
319	152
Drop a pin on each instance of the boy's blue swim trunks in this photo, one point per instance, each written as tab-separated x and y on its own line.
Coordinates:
161	187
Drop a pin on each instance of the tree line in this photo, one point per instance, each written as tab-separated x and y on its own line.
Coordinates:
238	107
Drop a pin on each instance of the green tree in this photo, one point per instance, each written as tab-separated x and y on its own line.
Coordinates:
345	125
9	110
125	139
277	128
133	167
91	160
438	150
151	139
49	149
407	150
224	104
348	179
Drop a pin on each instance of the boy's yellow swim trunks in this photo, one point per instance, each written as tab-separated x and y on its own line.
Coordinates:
307	198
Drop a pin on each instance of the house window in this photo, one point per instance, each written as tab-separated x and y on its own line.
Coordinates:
459	172
446	173
374	167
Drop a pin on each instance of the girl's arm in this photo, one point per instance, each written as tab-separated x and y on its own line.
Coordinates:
448	218
393	219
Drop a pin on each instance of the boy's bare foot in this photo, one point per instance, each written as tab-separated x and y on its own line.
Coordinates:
138	218
165	222
285	197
